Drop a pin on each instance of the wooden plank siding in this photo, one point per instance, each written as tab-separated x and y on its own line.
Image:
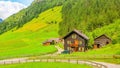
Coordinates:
101	41
75	42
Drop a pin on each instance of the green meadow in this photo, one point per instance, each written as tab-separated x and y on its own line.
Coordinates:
27	40
45	65
109	53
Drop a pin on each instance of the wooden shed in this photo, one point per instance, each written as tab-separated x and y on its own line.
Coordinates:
52	41
75	41
101	41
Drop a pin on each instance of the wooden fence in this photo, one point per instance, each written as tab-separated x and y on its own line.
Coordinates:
97	65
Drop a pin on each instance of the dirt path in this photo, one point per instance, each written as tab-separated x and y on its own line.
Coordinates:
109	65
17	60
56	53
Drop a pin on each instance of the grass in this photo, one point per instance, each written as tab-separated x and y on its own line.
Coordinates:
45	19
28	39
114	61
61	45
45	65
103	54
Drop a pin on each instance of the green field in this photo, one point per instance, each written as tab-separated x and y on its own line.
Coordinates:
109	53
45	65
28	39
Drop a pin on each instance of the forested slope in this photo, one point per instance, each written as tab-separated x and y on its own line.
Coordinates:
87	15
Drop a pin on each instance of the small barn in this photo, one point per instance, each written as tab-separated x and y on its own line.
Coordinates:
75	41
101	41
51	41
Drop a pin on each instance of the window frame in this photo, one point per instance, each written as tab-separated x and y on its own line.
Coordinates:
69	42
80	42
74	36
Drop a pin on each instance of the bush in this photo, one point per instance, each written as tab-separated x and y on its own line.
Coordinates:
116	56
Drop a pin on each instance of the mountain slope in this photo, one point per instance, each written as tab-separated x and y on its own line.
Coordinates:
113	31
94	18
25	15
28	39
49	17
87	15
1	20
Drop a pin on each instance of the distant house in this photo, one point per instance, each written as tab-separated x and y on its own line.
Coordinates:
101	41
52	41
75	41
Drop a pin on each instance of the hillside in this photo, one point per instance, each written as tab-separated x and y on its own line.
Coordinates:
1	20
87	15
113	31
94	18
28	39
19	19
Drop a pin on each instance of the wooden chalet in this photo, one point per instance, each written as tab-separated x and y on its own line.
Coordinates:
51	41
75	41
101	41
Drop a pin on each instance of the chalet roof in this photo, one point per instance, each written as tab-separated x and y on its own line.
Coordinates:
79	33
55	39
50	40
103	35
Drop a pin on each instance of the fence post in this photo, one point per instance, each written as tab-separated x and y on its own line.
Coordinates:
69	60
54	60
33	60
4	62
60	59
77	61
47	60
19	61
40	60
11	62
26	61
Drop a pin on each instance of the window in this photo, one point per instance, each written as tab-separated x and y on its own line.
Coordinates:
68	48
83	49
98	45
68	42
79	48
80	42
74	36
107	42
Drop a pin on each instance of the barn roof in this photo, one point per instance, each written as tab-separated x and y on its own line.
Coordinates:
103	35
77	32
50	40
